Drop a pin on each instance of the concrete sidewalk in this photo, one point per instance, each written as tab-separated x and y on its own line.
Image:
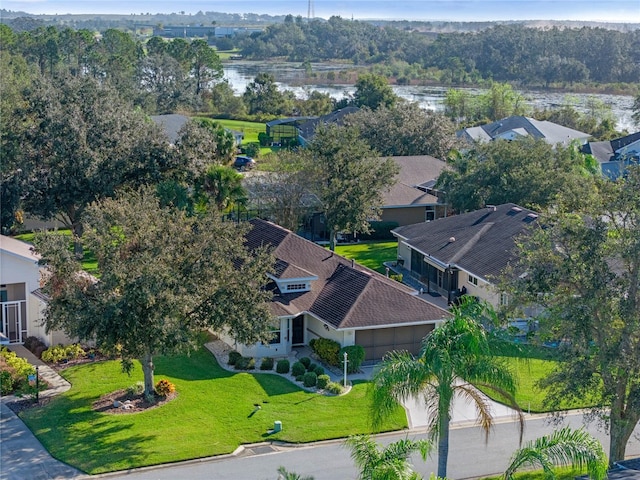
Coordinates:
22	456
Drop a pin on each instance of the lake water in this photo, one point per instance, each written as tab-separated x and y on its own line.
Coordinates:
289	76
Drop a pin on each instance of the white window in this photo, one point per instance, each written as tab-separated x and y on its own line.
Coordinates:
473	280
504	299
296	287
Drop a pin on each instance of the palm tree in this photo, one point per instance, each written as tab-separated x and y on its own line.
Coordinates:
564	447
284	475
452	356
390	463
223	185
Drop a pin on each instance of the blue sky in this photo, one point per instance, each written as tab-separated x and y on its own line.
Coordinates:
460	10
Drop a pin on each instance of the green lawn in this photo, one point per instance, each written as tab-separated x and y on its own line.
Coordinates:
531	364
210	416
370	254
561	473
89	261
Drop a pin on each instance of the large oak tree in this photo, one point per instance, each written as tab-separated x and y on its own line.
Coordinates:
164	276
583	267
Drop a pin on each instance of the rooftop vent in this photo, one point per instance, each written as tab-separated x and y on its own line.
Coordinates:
452	239
492	207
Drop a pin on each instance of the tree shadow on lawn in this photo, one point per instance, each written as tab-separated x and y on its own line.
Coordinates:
199	365
74	433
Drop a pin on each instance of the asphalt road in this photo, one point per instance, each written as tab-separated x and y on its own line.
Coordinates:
469	456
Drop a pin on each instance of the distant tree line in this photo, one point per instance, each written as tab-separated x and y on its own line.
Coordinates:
511	53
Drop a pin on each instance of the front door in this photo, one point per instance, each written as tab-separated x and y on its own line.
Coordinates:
297	330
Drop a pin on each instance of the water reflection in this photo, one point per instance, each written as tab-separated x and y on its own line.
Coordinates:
291	76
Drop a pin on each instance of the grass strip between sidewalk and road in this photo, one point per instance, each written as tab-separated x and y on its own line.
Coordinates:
211	415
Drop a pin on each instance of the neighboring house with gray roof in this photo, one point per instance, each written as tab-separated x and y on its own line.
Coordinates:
615	156
464	253
172	123
317	293
307	130
413	198
514	127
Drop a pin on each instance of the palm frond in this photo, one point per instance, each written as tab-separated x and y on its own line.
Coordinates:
564	447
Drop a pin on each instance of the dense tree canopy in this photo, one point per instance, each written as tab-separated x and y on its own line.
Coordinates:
583	268
405	129
81	144
348	178
527	171
164	277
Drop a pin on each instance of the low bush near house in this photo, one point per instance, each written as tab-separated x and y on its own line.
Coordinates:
297	369
234	357
319	370
164	388
14	372
299	378
355	357
323	381
282	366
309	379
245	363
60	353
396	276
327	350
311	367
266	364
306	361
33	344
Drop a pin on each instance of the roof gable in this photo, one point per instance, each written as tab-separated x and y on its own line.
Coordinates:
345	294
480	242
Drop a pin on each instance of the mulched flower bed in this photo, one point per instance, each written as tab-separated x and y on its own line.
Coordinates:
122	402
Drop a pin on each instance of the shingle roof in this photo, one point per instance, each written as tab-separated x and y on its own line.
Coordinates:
170	124
606	151
551	132
308	129
415	171
480	242
345	295
19	248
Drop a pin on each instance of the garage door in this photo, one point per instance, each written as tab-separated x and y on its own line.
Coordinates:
380	341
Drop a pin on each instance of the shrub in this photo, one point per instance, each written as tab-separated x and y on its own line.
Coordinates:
396	276
251	149
245	363
335	388
164	388
309	379
299	378
7	382
380	231
319	370
282	366
54	354
355	357
312	366
327	350
234	357
38	350
306	361
266	364
297	369
74	351
137	389
31	343
20	366
323	381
